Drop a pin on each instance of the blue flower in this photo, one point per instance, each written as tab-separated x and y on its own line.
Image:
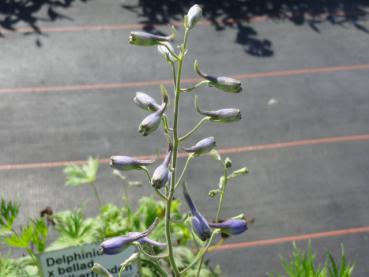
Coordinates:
128	163
116	245
199	223
231	226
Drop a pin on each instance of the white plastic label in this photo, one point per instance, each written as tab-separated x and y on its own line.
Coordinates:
77	262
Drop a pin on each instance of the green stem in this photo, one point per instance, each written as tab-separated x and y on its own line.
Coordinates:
199	268
189	158
201	253
96	193
144	252
156	265
174	158
222	191
198	125
195	86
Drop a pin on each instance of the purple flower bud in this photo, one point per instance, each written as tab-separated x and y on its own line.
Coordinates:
152	121
118	244
161	173
146	39
128	163
231	226
203	146
193	16
223	115
149	241
223	83
199	223
146	102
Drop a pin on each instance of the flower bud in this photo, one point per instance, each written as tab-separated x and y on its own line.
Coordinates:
223	83
116	245
161	173
203	146
146	102
146	39
194	15
99	269
128	163
152	121
162	49
239	172
231	226
212	193
199	223
222	115
228	162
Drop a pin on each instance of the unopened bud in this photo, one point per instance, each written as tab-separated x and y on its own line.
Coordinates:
151	122
228	162
163	49
146	39
213	193
231	226
161	173
199	223
194	15
125	163
223	83
239	172
202	147
146	102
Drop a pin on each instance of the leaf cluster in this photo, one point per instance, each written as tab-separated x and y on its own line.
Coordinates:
302	263
81	175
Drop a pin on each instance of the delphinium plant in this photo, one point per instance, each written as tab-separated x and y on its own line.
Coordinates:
167	178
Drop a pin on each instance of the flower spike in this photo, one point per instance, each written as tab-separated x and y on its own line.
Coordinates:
222	115
199	223
116	245
223	83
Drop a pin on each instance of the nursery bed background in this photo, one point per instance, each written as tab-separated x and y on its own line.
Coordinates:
67	74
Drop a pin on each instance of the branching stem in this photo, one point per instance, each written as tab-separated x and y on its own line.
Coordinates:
174	157
194	129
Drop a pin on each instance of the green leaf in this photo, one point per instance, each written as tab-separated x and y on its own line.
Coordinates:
81	175
74	229
35	233
9	211
12	268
